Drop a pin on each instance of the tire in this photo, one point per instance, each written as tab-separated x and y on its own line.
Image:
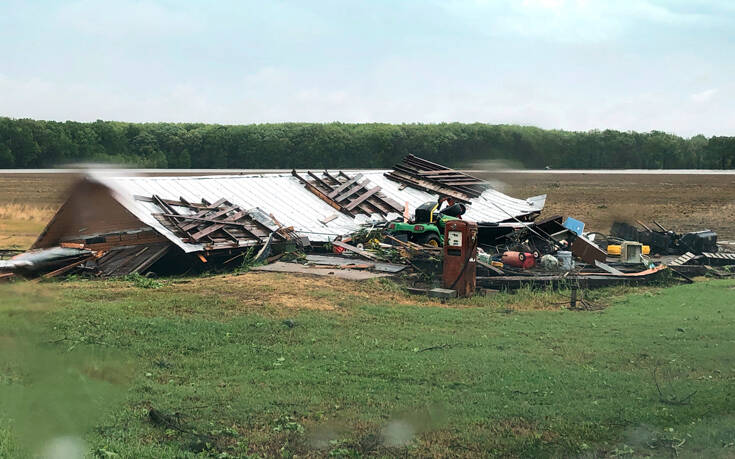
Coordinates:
431	239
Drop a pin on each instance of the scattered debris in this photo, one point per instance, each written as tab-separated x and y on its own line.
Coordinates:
352	263
587	251
664	241
431	225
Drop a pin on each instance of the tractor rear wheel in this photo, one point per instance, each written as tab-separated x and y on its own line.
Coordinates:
430	239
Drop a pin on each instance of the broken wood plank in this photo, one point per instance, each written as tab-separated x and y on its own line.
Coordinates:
319	181
72	245
344	186
229	221
66	268
362	198
359	187
152	259
321	195
209	230
208	214
328	219
352	248
429	187
492	268
684	259
443	172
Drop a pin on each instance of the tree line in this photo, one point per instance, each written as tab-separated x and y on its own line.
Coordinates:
26	143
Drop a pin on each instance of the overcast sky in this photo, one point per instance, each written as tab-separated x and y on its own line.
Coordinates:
569	64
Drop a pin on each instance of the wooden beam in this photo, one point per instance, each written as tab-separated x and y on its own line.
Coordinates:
319	181
326	174
368	207
230	221
442	172
206	214
66	268
354	249
344	186
360	186
321	195
429	187
362	198
220	224
207	231
152	259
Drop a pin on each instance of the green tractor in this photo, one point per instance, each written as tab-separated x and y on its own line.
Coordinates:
427	227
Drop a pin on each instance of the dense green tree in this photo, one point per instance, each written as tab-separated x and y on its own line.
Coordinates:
27	143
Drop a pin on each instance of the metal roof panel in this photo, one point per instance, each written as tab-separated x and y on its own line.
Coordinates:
283	196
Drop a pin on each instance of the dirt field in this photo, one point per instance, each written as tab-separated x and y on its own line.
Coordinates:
678	201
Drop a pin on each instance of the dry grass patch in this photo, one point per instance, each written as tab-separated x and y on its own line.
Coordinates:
20	224
293	291
25	212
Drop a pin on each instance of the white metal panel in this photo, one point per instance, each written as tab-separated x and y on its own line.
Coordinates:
286	198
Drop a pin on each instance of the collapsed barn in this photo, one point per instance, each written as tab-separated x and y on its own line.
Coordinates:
430	224
114	226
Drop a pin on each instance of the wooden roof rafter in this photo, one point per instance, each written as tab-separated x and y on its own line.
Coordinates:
349	195
218	225
434	178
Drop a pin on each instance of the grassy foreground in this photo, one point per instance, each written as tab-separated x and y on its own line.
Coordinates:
275	365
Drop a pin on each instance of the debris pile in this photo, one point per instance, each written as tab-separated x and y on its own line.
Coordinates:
663	241
444	231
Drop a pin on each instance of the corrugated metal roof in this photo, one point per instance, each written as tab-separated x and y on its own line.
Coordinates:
288	200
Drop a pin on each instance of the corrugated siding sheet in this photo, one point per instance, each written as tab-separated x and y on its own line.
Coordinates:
287	199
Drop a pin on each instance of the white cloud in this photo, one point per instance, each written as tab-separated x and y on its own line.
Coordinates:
703	96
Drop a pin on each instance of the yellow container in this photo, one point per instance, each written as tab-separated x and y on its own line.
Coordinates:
614	250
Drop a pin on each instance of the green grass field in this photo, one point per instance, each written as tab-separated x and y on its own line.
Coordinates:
350	370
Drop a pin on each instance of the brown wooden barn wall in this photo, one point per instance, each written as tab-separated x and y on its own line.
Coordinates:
89	210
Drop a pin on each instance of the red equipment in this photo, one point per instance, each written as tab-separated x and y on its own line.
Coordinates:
460	257
523	260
